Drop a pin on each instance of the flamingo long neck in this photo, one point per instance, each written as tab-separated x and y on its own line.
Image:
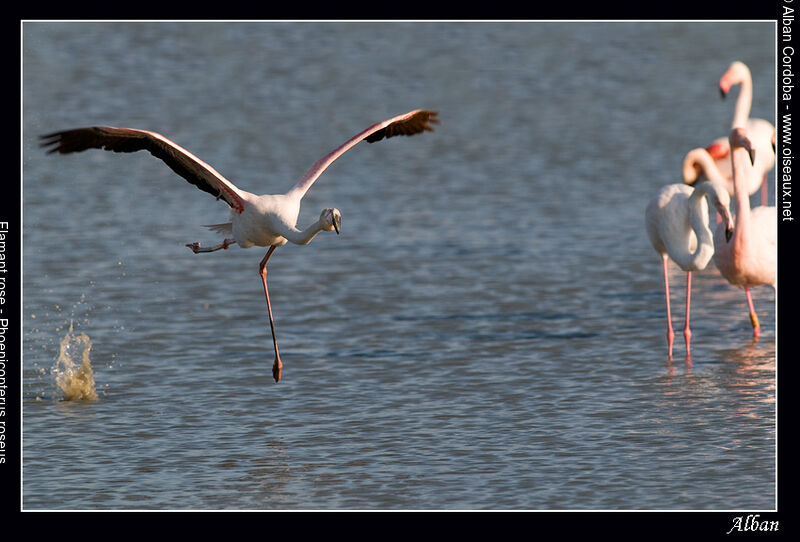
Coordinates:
744	101
303	237
741	233
698	220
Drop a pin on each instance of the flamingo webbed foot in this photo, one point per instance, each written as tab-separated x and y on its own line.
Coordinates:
276	369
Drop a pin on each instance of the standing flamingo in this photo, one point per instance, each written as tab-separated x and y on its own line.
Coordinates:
267	220
677	225
759	131
749	257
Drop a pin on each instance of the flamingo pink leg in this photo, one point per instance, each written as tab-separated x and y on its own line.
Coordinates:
753	316
670	332
262	269
687	333
223	245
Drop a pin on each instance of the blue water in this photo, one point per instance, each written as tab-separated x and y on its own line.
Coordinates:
487	332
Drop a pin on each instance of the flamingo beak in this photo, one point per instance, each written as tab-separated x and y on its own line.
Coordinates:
337	223
724	87
725	215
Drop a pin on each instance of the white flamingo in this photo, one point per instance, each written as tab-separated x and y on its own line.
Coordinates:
266	220
677	225
760	132
749	257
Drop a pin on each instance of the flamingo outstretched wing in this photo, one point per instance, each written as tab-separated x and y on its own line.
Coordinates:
408	124
176	157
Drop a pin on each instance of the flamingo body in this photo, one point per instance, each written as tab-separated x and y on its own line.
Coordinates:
266	220
669	218
751	263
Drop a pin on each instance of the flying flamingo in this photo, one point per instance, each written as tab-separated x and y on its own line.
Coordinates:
677	225
265	221
760	132
748	258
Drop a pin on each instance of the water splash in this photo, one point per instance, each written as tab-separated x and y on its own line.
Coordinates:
73	370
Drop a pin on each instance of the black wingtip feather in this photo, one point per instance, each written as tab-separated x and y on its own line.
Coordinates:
416	124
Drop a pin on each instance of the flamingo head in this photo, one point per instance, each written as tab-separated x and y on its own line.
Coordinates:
331	220
735	74
722	204
738	138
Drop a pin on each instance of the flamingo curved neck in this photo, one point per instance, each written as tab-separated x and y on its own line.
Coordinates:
698	219
700	157
303	237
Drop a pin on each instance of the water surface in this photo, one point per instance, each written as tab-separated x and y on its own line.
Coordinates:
488	330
